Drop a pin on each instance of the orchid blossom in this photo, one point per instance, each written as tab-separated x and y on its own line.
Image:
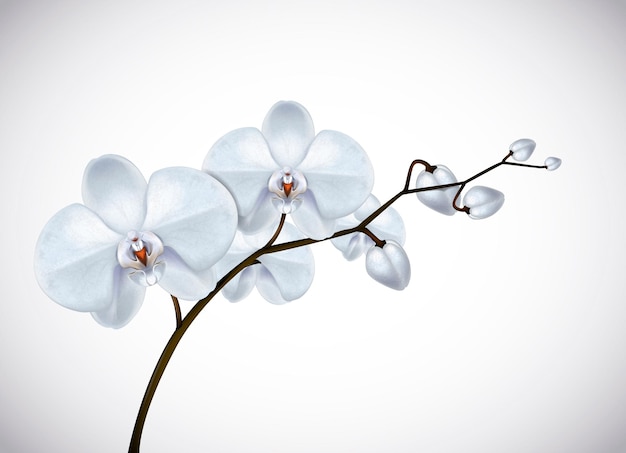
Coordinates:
285	167
100	257
279	277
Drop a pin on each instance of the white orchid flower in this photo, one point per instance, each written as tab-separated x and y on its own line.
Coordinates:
100	257
279	277
387	226
286	167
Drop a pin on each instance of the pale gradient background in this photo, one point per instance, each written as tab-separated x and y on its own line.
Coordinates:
512	334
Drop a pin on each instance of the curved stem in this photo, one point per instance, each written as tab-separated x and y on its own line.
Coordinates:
177	311
270	247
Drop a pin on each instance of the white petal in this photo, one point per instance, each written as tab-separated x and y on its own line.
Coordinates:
389	265
75	259
309	220
338	172
262	216
388	225
183	282
522	148
192	213
241	160
352	245
115	189
268	288
241	285
440	200
370	205
292	270
483	201
127	300
288	129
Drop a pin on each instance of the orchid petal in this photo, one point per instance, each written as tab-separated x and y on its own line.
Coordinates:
115	189
75	259
241	285
370	205
192	213
262	216
268	288
241	160
389	226
338	172
182	281
292	270
309	220
352	245
288	129
127	300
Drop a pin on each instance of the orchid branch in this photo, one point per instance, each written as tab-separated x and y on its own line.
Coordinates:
271	247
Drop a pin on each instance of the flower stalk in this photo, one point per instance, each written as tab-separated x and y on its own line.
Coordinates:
270	247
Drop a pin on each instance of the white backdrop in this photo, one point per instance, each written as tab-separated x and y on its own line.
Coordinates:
511	335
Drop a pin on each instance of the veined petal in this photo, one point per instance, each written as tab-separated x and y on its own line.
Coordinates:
291	270
127	300
75	259
241	160
338	172
192	213
309	220
288	129
115	189
183	282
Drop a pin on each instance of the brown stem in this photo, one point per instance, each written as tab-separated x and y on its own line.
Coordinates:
270	247
179	319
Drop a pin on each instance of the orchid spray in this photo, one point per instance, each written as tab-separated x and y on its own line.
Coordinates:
247	219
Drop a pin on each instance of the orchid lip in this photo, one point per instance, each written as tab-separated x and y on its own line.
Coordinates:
287	185
139	251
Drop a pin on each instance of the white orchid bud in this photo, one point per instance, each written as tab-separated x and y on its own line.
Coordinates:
440	200
552	163
483	201
522	149
389	265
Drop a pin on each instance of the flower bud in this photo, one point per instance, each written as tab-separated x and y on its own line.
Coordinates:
483	201
552	163
440	200
522	149
389	265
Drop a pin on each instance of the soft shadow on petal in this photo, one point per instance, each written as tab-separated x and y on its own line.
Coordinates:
241	285
370	205
292	270
75	259
115	189
389	226
268	288
127	300
288	129
192	213
262	216
183	282
241	160
338	172
309	220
